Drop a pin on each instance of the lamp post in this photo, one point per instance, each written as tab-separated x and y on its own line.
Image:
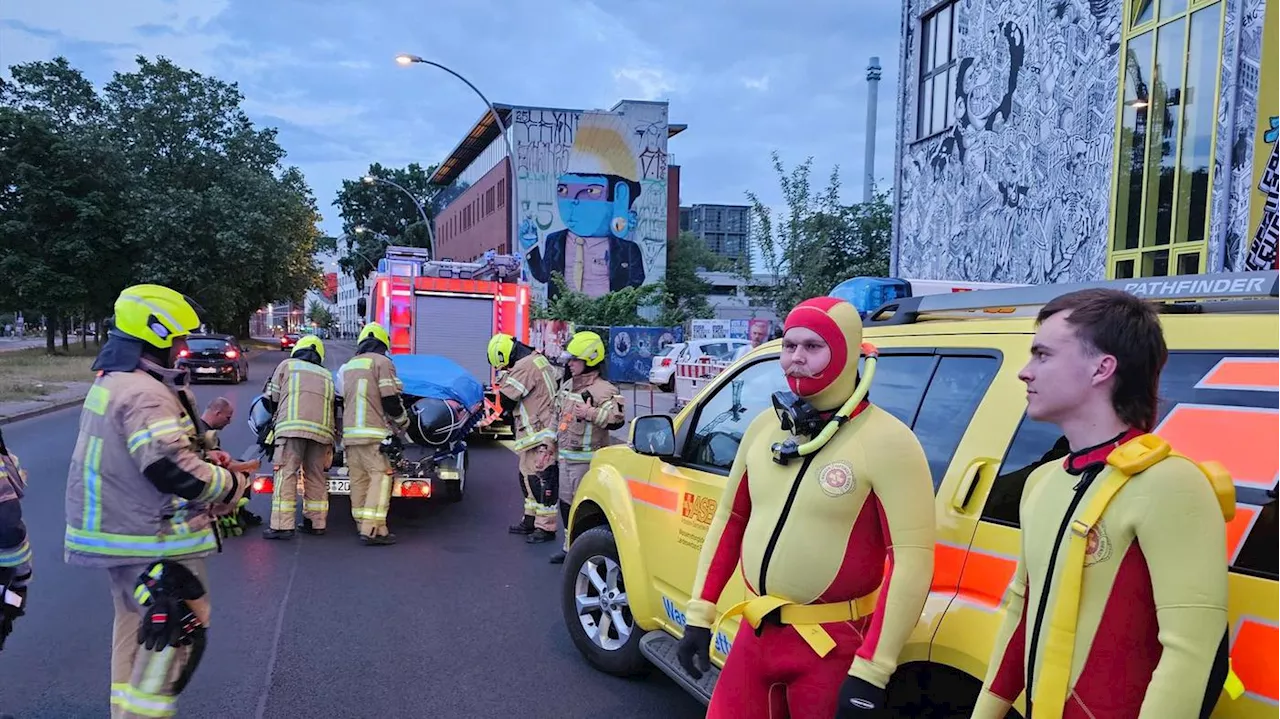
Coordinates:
407	59
431	237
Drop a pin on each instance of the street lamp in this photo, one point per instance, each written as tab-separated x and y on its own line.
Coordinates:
431	237
407	59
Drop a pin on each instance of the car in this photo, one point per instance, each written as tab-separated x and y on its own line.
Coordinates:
663	371
287	341
210	356
641	513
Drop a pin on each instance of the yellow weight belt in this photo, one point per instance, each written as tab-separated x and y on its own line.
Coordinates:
807	619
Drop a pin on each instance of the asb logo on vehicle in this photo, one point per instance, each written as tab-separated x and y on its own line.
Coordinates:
699	509
722	642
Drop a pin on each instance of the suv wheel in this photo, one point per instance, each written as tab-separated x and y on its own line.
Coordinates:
596	611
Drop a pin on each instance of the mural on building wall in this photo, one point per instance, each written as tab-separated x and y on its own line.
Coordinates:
593	197
1260	198
1229	229
1018	190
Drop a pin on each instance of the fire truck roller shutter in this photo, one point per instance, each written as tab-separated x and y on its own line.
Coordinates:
458	328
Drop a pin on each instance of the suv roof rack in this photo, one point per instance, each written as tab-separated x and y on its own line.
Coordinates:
1254	285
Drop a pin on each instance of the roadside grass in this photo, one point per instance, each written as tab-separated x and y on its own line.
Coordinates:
30	373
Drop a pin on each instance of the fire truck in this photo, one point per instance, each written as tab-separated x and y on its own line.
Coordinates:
450	309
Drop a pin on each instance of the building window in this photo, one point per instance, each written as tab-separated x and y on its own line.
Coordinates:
1165	137
489	200
502	192
935	108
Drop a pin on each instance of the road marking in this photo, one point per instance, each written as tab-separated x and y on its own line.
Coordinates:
275	639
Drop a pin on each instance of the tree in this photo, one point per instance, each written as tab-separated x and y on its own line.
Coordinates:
389	215
817	242
320	316
615	309
685	294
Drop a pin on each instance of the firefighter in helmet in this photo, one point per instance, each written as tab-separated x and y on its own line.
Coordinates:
300	394
373	416
527	389
588	407
141	500
15	551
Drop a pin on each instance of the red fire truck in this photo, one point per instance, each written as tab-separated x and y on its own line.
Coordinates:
450	309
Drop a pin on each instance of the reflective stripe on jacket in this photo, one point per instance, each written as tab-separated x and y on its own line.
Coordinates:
115	514
577	438
532	383
303	393
366	379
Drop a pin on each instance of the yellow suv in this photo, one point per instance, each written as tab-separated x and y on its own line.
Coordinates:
948	368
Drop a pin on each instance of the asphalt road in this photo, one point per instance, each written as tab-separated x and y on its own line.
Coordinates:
459	619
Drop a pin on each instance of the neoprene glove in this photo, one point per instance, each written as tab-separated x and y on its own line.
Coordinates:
859	699
695	644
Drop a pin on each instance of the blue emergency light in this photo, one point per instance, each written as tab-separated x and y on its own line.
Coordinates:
869	293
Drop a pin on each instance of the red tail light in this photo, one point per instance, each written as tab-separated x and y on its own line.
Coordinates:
232	354
183	353
666	361
263	485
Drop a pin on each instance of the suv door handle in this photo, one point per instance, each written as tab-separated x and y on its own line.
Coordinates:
964	490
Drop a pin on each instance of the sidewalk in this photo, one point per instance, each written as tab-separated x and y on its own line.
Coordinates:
73	394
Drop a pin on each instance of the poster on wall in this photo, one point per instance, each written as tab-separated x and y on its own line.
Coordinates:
1264	209
709	329
550	336
593	197
631	351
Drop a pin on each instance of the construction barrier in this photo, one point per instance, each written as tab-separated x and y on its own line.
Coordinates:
691	377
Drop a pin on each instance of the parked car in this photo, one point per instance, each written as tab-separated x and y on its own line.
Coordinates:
641	513
663	371
215	357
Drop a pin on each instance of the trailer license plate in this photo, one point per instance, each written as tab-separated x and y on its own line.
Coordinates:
339	486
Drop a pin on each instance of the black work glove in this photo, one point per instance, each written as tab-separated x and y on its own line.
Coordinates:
13	604
859	699
169	622
695	644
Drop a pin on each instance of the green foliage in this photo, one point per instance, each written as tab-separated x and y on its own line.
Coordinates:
160	177
817	242
685	294
320	315
388	215
615	309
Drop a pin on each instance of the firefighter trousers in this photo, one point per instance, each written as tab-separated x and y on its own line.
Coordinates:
570	475
142	680
294	456
541	492
370	474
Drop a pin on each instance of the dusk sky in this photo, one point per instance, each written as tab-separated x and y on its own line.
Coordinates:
747	77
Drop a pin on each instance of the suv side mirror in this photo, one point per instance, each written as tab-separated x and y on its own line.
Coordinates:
654	435
361	306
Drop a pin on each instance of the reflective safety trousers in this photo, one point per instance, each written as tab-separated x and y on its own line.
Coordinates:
115	514
578	438
851	519
532	383
303	393
366	379
15	551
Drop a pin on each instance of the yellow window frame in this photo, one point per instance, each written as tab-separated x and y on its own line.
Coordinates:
1144	254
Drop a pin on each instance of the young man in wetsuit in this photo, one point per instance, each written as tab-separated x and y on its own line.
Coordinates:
1149	639
834	534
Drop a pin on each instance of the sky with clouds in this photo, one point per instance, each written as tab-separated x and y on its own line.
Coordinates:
748	77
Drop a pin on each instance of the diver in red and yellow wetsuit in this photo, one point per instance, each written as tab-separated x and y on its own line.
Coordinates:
1148	640
812	523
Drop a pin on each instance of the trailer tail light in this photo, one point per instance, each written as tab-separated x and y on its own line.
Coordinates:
412	488
263	485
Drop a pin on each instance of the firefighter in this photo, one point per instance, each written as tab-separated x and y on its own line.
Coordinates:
15	551
300	394
528	390
141	500
373	418
588	407
216	416
828	510
1118	605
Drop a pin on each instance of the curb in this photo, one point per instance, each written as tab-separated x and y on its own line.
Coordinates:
51	407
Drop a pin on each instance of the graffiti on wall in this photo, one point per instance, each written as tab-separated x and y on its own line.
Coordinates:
1018	189
1244	155
593	197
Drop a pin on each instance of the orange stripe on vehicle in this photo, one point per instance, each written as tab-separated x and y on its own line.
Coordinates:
948	566
1243	373
1239	528
1255	656
660	497
985	578
1197	430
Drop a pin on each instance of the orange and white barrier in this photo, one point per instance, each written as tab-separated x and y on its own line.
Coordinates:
691	377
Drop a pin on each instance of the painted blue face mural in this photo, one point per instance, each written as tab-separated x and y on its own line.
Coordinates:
586	211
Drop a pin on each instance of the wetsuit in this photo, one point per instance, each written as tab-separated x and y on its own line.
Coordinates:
1150	639
847	533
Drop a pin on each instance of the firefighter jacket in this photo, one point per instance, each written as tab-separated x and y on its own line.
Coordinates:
303	396
1152	596
532	384
578	438
851	524
369	386
138	489
15	552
